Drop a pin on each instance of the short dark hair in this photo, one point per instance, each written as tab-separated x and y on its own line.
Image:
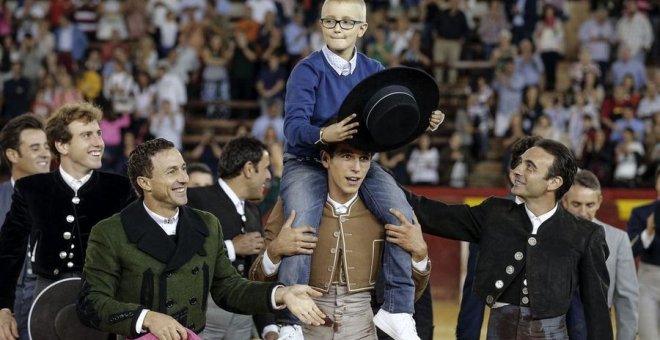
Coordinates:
139	161
519	147
238	152
57	126
10	135
332	148
587	179
564	164
198	167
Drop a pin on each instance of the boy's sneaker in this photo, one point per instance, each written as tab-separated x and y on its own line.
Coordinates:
400	326
291	332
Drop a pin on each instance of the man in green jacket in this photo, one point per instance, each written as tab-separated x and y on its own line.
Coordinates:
150	267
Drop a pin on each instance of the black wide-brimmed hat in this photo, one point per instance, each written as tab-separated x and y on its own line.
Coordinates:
393	108
53	314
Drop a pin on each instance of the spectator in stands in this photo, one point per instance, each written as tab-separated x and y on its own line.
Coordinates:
528	64
413	55
270	118
90	82
649	104
592	90
169	86
137	24
530	109
544	128
380	48
200	175
597	35
633	30
260	8
70	44
216	57
15	92
45	37
578	111
477	126
40	106
491	24
549	39
612	108
553	107
145	56
522	14
168	31
27	16
580	68
505	50
242	71
598	157
168	123
450	30
395	162
401	36
112	44
509	86
207	151
112	125
296	39
513	134
628	85
271	81
119	89
456	162
66	92
31	62
627	121
111	21
628	153
625	65
248	25
424	163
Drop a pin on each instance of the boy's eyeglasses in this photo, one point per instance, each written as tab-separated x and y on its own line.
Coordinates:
345	24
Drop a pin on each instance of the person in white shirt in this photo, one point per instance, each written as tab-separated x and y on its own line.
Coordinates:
634	30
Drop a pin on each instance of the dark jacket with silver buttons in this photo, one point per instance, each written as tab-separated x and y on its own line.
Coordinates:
567	253
57	222
132	265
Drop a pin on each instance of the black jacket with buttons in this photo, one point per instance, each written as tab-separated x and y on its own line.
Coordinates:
44	211
566	253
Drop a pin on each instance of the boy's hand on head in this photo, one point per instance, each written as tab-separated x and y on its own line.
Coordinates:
437	117
341	130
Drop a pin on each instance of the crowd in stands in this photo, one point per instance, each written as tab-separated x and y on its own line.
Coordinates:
148	65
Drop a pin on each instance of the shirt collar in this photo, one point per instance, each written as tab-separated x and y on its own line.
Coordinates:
541	218
12	181
339	64
167	224
238	203
72	182
342	208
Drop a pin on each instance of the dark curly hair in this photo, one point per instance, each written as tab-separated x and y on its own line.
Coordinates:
238	152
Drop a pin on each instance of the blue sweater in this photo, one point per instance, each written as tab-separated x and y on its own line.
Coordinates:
314	93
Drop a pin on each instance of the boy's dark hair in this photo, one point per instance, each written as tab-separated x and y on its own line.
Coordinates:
10	135
519	147
198	167
57	126
587	179
332	148
139	161
238	152
564	164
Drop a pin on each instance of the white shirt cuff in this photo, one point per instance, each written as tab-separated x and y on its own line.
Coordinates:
646	239
231	253
422	265
140	321
268	329
272	299
269	267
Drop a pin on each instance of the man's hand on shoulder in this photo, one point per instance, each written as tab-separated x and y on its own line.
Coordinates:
164	326
292	241
298	299
8	327
407	236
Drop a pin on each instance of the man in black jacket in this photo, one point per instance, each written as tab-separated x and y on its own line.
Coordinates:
528	271
243	172
57	210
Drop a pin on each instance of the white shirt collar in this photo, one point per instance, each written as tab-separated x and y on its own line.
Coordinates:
73	183
12	181
339	64
238	203
538	220
342	208
167	224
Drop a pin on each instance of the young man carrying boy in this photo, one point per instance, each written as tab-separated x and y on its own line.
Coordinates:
315	91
